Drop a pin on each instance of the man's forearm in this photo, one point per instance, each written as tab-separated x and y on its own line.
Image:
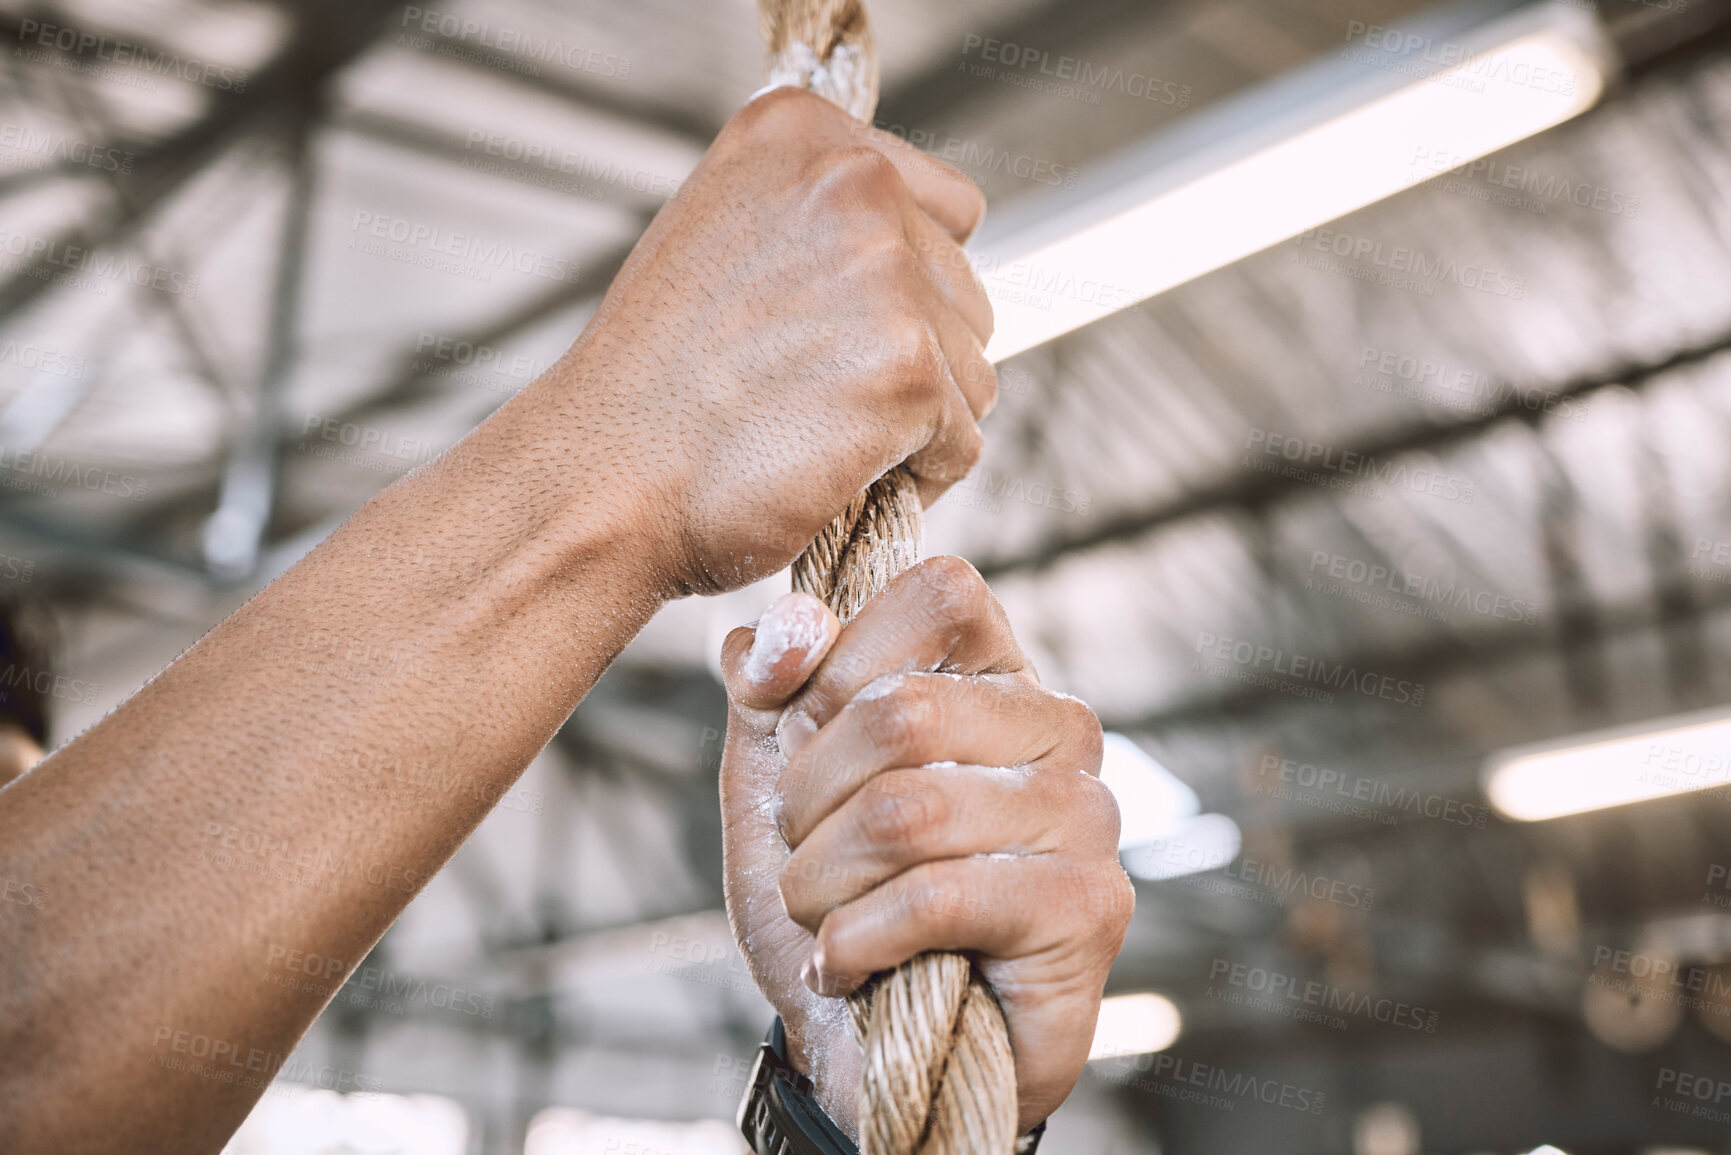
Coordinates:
752	368
443	633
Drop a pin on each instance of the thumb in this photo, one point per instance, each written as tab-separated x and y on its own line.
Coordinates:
766	664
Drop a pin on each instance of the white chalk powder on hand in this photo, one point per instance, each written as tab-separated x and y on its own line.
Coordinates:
881	687
792	623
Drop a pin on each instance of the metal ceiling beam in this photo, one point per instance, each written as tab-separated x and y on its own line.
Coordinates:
408	384
328	35
234	535
1654	34
1443	656
314	55
1253	490
662	118
437	144
1058	27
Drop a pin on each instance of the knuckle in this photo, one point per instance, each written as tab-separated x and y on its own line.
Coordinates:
991	319
928	373
929	163
1003	701
1107	901
964	199
1096	813
897	723
954	588
857	173
781	114
910	353
969	448
900	814
956	176
943	900
976	284
943	256
950	457
1123	901
971	197
1084	733
981	377
884	256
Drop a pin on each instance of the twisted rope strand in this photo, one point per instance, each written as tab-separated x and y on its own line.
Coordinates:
939	1078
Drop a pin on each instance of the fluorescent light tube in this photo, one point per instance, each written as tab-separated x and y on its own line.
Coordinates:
1135	1025
1288	156
1611	767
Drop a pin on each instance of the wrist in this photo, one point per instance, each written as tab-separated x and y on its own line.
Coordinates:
779	1114
765	1124
590	503
826	1054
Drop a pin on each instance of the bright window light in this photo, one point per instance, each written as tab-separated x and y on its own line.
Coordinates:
295	1120
1287	157
1611	767
1205	842
1135	1025
1162	832
1151	800
564	1131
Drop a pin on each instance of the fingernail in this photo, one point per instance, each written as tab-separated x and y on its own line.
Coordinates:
793	623
794	731
812	974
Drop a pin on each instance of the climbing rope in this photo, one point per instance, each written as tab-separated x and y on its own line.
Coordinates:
939	1078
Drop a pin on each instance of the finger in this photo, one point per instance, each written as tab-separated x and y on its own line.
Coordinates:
943	193
764	665
964	355
939	615
913	719
953	449
902	818
947	265
974	904
939	364
1047	926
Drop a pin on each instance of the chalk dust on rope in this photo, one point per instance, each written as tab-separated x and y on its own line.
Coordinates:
939	1078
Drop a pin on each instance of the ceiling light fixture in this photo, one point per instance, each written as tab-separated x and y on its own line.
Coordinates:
1162	832
1135	1025
1381	115
1611	767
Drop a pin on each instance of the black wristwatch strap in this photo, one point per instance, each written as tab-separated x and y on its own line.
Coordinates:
780	1116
